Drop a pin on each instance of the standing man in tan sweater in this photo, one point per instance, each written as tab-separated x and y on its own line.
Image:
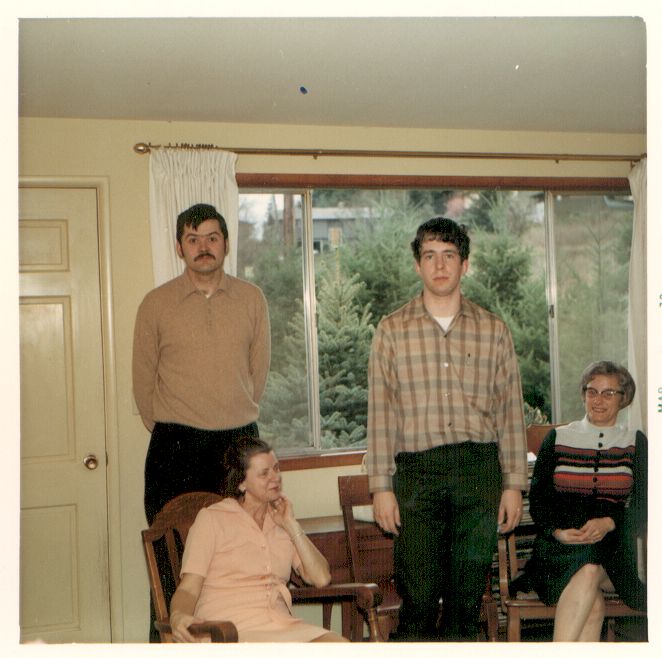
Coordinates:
201	356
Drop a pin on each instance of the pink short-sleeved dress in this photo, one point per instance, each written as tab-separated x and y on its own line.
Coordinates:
245	571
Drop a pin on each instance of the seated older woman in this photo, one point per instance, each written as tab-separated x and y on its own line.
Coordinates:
239	554
588	500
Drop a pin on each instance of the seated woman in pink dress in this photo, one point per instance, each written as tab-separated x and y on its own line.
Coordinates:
239	555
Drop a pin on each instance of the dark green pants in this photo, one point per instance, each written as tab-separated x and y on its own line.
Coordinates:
449	500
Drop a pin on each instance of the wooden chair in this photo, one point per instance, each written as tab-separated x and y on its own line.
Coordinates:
370	553
535	435
529	606
370	550
171	526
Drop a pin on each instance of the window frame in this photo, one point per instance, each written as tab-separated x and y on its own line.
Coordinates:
304	183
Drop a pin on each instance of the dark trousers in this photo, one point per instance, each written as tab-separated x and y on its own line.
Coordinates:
449	499
181	459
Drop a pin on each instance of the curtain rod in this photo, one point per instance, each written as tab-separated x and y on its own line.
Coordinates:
142	148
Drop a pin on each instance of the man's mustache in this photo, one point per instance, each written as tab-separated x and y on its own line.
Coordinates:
202	255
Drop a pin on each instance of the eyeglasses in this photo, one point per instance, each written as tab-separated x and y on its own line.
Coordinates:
607	394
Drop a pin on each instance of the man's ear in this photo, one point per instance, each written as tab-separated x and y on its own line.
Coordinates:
178	249
465	266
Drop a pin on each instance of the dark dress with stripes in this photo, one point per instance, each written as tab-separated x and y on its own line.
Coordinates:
582	472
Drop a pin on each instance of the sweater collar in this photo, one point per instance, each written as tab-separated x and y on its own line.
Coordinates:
585	425
186	287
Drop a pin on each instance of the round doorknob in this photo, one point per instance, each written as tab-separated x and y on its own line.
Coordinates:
91	462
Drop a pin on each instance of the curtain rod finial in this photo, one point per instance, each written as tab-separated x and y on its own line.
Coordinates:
141	148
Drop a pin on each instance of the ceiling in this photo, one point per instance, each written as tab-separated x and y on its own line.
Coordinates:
540	74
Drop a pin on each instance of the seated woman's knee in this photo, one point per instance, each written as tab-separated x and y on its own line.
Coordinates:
593	574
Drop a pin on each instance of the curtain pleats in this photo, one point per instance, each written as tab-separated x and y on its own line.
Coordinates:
637	363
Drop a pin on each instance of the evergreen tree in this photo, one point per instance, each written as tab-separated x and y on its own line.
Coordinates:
528	324
500	280
381	258
500	265
592	294
344	339
278	273
284	406
498	211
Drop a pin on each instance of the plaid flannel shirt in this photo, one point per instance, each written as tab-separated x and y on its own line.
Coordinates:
429	388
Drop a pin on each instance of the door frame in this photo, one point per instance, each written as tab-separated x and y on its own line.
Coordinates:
101	185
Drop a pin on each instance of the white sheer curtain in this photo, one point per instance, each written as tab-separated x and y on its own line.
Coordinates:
178	179
637	364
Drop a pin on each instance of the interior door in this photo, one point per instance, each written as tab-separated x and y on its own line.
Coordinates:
64	584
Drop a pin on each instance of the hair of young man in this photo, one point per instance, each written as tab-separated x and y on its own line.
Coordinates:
195	215
443	230
236	461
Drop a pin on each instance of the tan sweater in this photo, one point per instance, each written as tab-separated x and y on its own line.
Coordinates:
198	361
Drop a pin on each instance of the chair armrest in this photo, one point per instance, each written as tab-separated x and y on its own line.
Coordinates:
366	595
220	631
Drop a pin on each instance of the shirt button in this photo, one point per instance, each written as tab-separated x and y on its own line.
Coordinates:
446	364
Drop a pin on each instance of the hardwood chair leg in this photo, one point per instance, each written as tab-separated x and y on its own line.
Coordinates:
348	611
611	630
492	623
514	628
377	631
326	615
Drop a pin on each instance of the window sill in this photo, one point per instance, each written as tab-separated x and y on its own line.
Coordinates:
321	460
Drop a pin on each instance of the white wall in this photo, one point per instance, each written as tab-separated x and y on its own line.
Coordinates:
64	147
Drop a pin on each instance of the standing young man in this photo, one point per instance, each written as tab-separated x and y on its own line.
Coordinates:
446	440
200	361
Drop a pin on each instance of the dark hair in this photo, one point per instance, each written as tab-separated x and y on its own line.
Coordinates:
236	461
625	381
197	214
444	230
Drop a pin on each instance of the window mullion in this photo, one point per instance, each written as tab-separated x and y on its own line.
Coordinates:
310	319
552	308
